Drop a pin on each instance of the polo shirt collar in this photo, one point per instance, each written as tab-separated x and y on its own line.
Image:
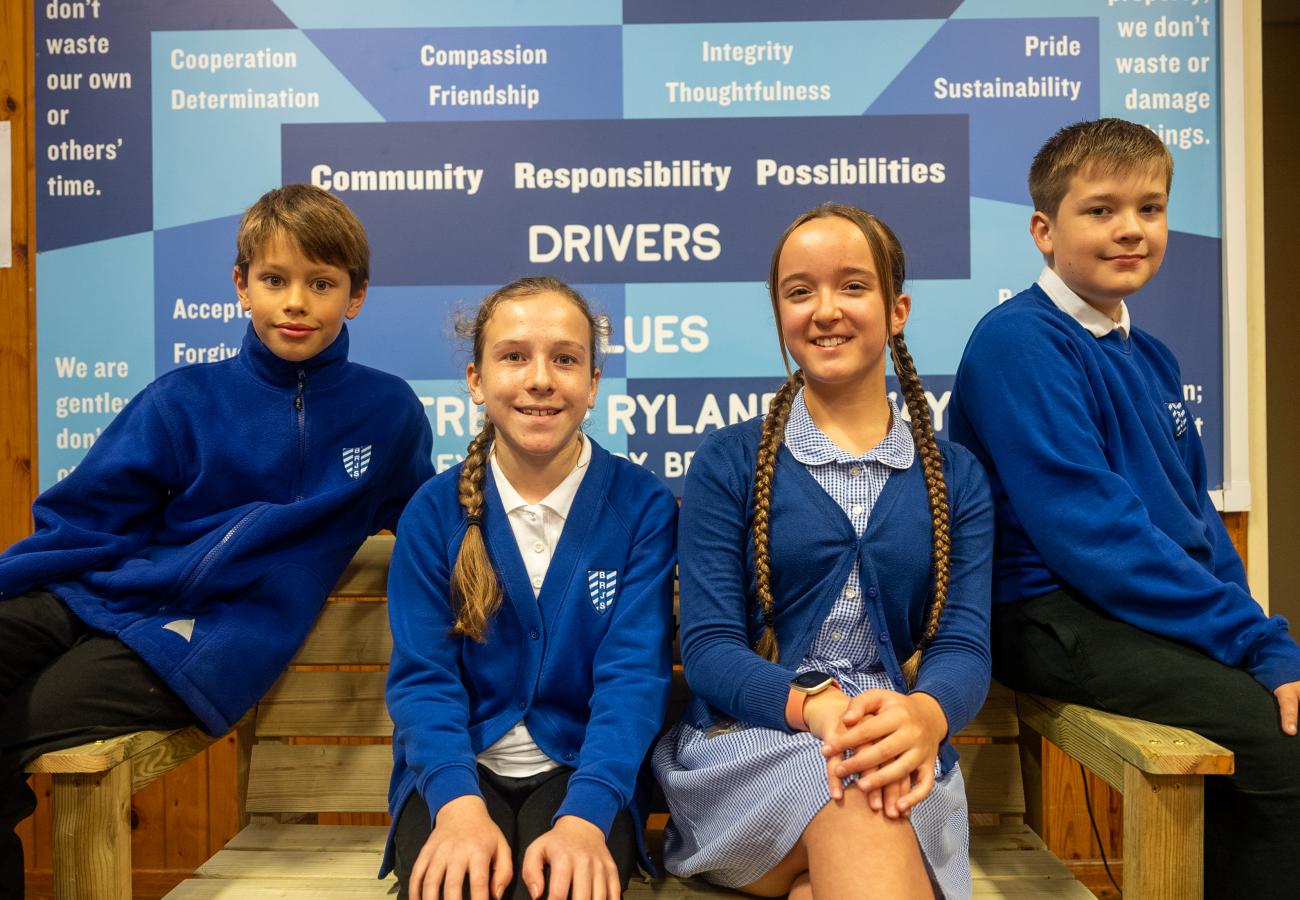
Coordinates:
1094	321
810	446
559	500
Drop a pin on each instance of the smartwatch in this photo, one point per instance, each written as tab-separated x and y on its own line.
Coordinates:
803	686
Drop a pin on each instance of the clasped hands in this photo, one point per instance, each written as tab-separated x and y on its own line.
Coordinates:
892	740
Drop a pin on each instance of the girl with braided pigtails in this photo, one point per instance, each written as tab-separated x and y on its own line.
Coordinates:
530	596
834	566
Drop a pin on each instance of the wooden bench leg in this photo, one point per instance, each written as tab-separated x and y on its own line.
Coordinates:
92	835
1031	773
1164	833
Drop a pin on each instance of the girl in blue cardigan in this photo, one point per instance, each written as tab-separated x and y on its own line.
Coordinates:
531	604
835	570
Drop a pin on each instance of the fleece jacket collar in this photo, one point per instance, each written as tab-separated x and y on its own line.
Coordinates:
323	369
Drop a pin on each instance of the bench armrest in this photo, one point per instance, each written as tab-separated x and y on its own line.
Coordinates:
1104	742
91	803
1161	772
150	753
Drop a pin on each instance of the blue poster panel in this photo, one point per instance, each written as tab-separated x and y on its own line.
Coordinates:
647	151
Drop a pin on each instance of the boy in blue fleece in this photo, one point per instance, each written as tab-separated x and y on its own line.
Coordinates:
1115	583
174	573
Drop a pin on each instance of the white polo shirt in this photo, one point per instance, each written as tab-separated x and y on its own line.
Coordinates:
537	528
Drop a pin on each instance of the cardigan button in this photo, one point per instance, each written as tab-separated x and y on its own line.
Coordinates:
534	634
568	757
523	704
872	592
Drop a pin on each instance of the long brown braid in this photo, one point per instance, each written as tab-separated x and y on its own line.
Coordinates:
473	579
936	488
475	588
887	254
764	474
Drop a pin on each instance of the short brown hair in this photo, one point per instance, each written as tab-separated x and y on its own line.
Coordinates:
1104	147
321	224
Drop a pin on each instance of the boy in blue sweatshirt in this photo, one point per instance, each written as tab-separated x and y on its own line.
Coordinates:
174	573
1115	583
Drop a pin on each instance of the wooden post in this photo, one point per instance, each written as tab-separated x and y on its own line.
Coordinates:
1164	835
1031	772
92	835
245	735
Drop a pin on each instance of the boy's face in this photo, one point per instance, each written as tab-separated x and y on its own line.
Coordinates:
1108	237
297	305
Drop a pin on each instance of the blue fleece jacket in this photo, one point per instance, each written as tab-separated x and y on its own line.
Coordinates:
207	524
590	683
813	546
1100	485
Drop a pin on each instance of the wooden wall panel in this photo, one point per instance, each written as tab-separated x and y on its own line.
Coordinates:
17	297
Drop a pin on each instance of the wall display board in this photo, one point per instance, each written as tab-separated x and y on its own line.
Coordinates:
648	151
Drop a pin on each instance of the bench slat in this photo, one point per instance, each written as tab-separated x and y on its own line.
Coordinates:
353	838
997	718
300	778
348	633
291	865
367	573
280	889
325	704
670	888
992	775
1056	887
1000	864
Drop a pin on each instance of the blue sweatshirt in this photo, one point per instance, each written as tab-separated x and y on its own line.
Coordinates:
590	681
1099	480
207	524
813	546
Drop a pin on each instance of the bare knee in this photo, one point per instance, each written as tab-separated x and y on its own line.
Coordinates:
781	879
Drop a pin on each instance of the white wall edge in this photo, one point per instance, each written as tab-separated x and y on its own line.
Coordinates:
1235	497
1232	498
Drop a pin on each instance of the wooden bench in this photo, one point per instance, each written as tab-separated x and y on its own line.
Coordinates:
300	756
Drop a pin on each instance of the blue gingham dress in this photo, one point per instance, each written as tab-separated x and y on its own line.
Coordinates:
740	800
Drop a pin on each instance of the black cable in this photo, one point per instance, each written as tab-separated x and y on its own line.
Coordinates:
1087	799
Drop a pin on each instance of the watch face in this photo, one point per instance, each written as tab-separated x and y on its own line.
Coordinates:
807	681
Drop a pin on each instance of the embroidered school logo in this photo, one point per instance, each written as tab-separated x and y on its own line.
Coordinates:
1180	418
602	585
356	460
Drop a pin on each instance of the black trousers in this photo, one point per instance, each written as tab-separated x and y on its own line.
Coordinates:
63	684
1063	647
523	809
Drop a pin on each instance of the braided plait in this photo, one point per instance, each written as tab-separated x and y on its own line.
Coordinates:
764	474
476	593
918	410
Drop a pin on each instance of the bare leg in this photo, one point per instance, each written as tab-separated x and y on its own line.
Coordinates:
827	861
835	839
801	889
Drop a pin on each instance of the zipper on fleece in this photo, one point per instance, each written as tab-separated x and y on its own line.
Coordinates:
300	406
211	555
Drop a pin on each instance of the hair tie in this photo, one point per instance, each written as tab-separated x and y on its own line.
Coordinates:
769	618
474	519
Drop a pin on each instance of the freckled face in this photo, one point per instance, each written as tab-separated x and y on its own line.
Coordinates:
297	305
832	304
535	379
1108	237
